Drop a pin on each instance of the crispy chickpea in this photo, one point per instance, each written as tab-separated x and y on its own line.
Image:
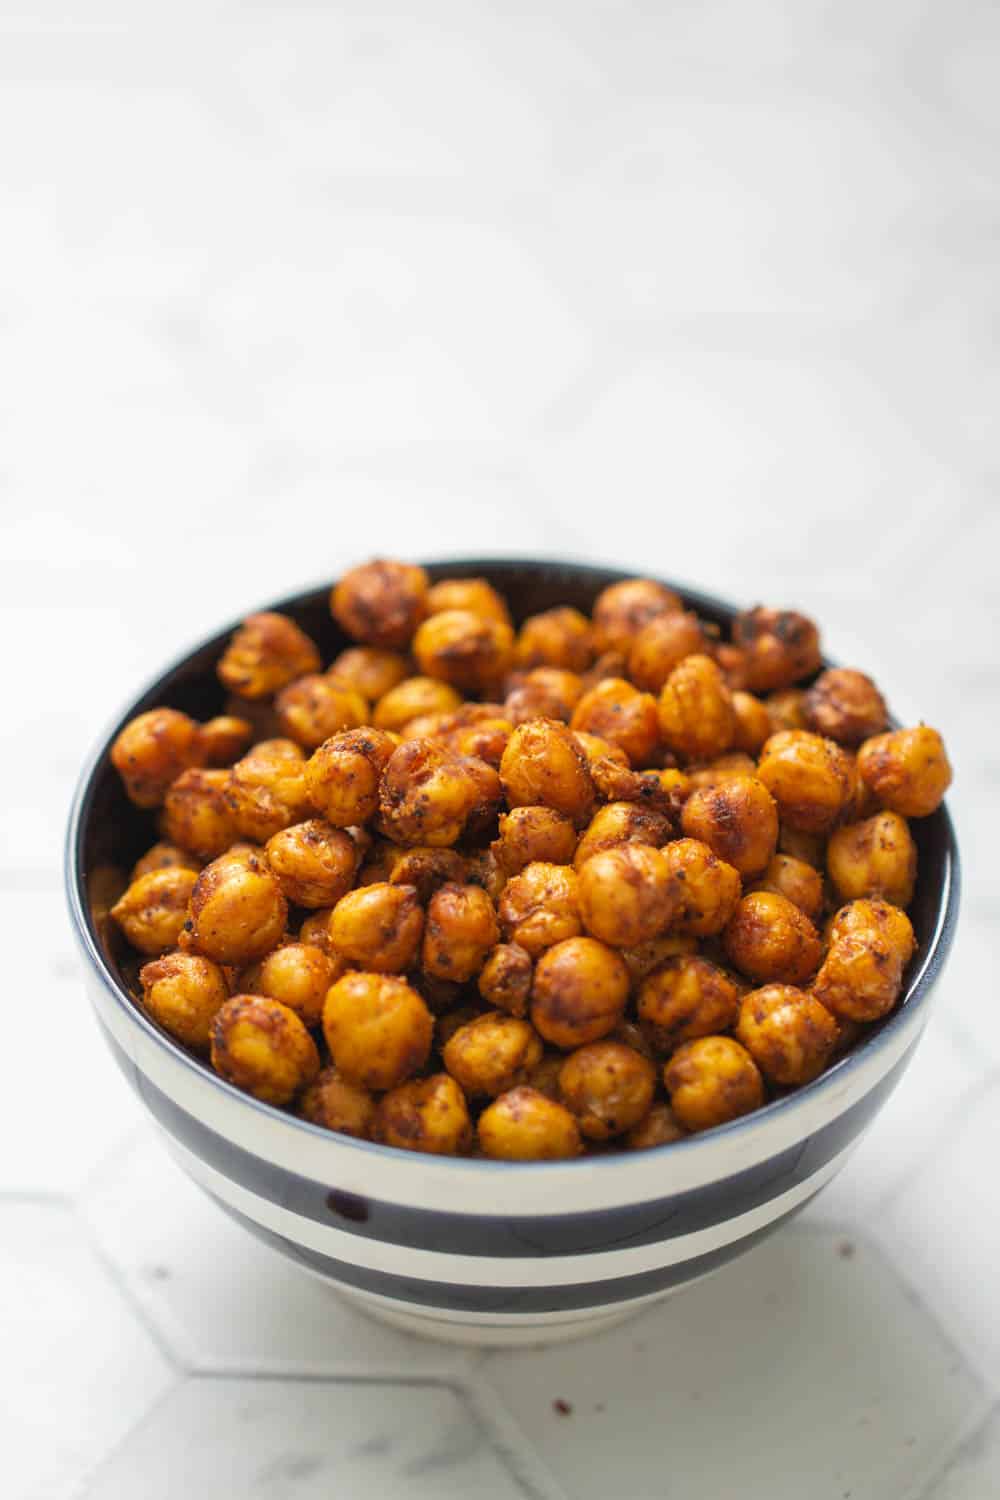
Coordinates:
369	670
483	868
461	929
907	770
343	775
712	1080
544	765
875	858
164	857
153	909
732	664
505	979
544	1076
526	1125
579	992
473	595
484	813
378	927
297	974
223	738
846	706
196	813
781	647
484	738
812	780
810	848
540	907
268	790
598	751
414	698
426	1114
152	751
266	653
561	637
237	911
466	650
263	1048
335	1104
627	894
183	992
315	930
381	603
425	869
753	723
734	763
313	862
530	834
426	794
622	823
661	645
622	609
797	881
493	1053
616	711
696	709
772	941
871	942
708	888
544	693
659	1127
786	710
608	1086
789	1035
738	821
684	998
645	957
314	707
378	1029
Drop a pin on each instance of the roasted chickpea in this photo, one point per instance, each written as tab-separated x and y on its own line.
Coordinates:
772	941
153	909
622	823
314	707
786	710
525	1125
753	723
732	664
263	1048
908	770
579	992
544	1076
870	944
237	911
627	894
811	779
493	1053
530	834
222	739
196	813
659	1127
335	1104
267	790
483	738
484	813
342	776
164	857
315	930
781	647
599	751
378	1029
473	595
152	751
646	957
505	979
735	763
540	907
789	1035
875	858
544	765
297	974
414	698
738	821
609	1088
378	927
707	887
622	609
426	1114
450	1021
482	868
810	848
696	709
425	869
381	603
846	706
466	650
461	929
266	653
797	881
183	992
712	1080
686	997
560	637
661	645
544	693
426	794
369	670
617	712
313	862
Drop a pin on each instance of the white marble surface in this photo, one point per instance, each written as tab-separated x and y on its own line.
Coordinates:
706	289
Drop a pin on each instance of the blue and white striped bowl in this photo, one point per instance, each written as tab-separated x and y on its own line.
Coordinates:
471	1250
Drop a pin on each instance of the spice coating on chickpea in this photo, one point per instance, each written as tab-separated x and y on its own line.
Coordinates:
263	1048
426	1114
267	790
163	856
378	926
266	653
314	707
297	974
196	813
543	693
616	711
622	823
661	645
152	751
381	602
152	911
525	1125
414	698
686	997
378	1029
696	709
707	887
608	1086
475	595
343	775
753	723
772	941
493	1053
627	894
544	765
781	647
530	834
460	931
788	1033
560	637
223	738
877	857
846	706
183	993
369	670
313	862
870	944
712	1080
737	819
505	979
646	957
622	609
426	794
463	649
540	907
579	992
797	881
908	770
659	1127
335	1104
237	912
812	780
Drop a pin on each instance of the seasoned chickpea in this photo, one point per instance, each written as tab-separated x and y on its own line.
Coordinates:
781	647
369	670
223	738
732	664
268	790
622	609
378	1029
544	1076
870	944
616	711
426	794
313	862
789	1035
237	911
315	930
684	998
696	709
712	1080
908	770
484	738
540	907
598	751
646	957
544	693
787	709
493	1053
314	707
772	941
735	763
530	834
425	869
335	1104
466	650
164	857
378	927
526	1125
474	595
505	979
426	1114
544	765
875	858
461	929
263	1048
579	992
608	1086
753	723
183	992
414	698
846	706
559	637
622	823
811	779
153	909
627	894
483	815
659	1127
483	868
342	776
661	645
381	603
152	751
810	848
738	821
196	813
297	974
797	881
266	653
708	888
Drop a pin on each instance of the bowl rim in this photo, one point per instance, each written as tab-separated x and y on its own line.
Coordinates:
921	985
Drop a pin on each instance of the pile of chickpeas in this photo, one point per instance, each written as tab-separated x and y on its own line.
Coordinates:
590	884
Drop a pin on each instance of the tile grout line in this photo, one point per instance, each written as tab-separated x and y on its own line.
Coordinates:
83	1485
512	1447
929	1485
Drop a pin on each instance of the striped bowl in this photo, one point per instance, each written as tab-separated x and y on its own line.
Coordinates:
479	1251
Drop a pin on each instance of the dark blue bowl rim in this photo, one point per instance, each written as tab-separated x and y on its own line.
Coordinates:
919	990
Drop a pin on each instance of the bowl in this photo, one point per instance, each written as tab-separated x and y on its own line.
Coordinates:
480	1251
